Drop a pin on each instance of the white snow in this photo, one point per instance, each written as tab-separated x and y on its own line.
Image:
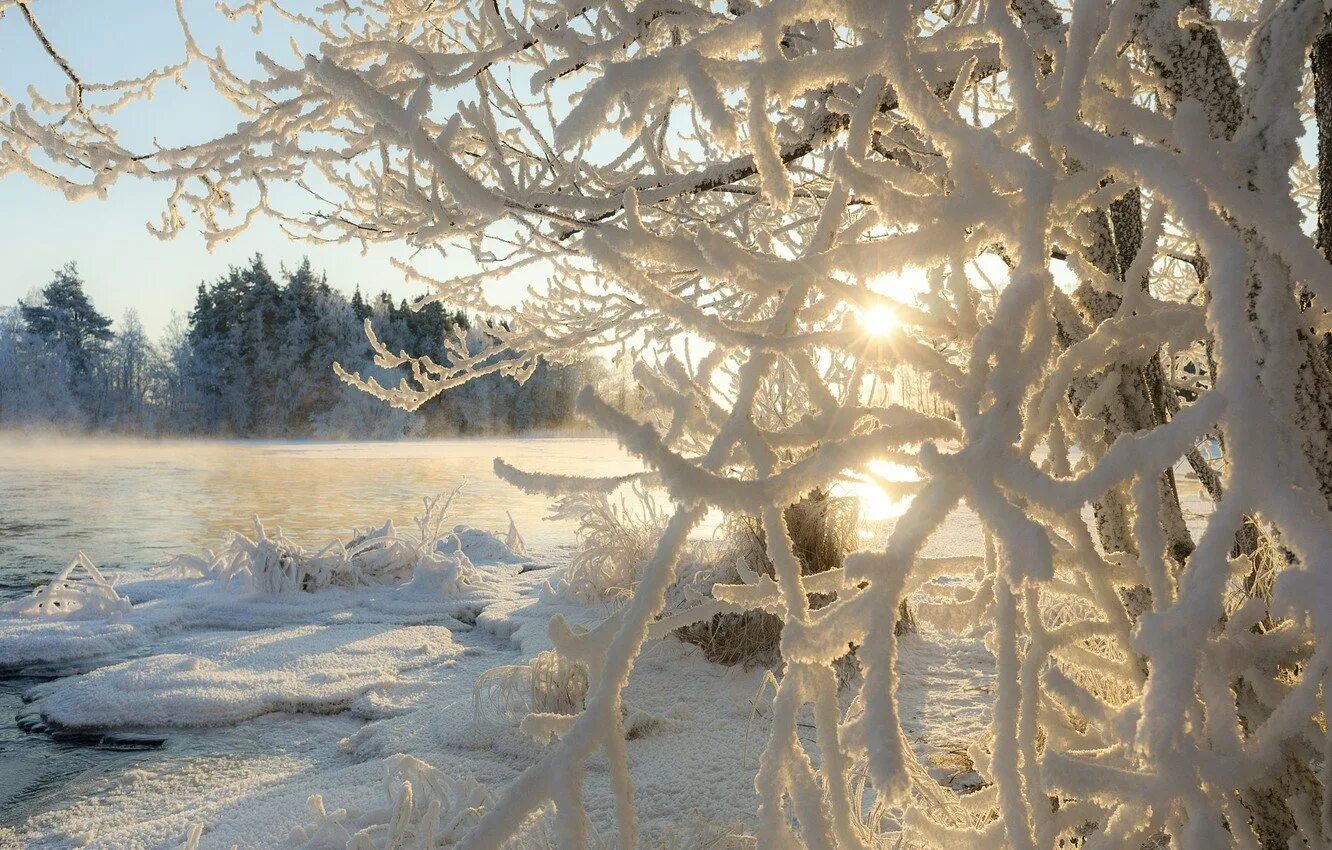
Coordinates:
483	547
222	678
172	605
398	672
719	191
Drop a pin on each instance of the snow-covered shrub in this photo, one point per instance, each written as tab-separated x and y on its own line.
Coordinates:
277	565
616	538
266	563
425	808
78	592
559	685
428	558
502	695
382	555
549	684
727	637
731	637
213	567
822	530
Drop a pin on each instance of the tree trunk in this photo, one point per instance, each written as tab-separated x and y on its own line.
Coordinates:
1116	239
1190	63
1320	60
1144	396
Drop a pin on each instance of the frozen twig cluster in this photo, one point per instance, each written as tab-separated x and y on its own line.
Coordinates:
616	537
425	809
1094	195
70	596
547	685
271	563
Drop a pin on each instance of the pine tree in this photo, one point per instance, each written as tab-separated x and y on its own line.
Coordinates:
217	400
65	319
360	309
259	344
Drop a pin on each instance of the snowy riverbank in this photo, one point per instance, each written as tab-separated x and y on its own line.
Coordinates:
439	662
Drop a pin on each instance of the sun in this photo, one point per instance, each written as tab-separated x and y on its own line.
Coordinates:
879	499
878	321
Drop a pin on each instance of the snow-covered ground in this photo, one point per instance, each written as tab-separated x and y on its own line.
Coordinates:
341	679
297	704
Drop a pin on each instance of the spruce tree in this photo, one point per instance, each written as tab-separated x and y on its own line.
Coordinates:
360	309
65	319
259	344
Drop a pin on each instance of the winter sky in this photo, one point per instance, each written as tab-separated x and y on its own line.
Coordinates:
124	265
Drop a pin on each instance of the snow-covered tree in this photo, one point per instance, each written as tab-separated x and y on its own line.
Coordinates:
35	387
131	367
736	193
65	319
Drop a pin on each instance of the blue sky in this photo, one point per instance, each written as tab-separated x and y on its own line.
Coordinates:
123	264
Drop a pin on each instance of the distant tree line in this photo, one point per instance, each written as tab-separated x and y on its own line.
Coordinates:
254	359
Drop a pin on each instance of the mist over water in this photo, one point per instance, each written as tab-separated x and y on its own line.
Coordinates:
130	503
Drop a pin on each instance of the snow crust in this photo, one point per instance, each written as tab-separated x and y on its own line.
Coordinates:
381	576
214	679
365	690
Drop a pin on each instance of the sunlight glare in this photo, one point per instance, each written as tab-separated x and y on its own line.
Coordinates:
876	503
903	286
878	321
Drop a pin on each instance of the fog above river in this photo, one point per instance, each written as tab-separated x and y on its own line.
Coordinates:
128	503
